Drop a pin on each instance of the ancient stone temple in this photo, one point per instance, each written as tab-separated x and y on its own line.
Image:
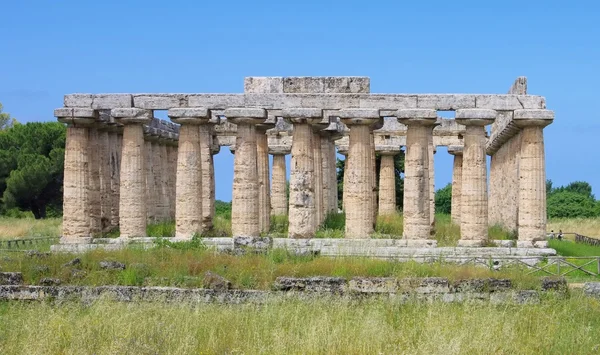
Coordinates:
125	168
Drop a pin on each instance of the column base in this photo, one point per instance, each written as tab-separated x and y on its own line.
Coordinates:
470	243
532	244
76	240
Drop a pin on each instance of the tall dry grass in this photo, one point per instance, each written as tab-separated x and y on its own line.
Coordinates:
16	228
555	326
586	226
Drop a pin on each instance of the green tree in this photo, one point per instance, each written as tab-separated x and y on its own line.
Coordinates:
31	166
5	120
443	200
569	204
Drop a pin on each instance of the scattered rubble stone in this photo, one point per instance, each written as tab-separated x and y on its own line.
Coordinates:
74	262
554	284
48	281
216	282
11	278
111	265
311	284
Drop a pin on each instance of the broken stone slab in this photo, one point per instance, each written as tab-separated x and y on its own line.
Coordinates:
257	244
554	284
592	289
373	285
216	282
48	281
111	265
526	297
11	278
311	284
74	262
481	285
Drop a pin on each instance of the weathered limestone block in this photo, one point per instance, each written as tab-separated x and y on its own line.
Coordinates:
133	180
189	191
387	182
416	212
302	212
11	278
474	208
244	213
279	204
358	185
311	284
76	213
532	174
456	182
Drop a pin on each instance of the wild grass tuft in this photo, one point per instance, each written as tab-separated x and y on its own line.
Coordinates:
18	228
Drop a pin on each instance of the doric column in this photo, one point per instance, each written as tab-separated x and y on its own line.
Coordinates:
420	123
264	185
279	203
318	159
150	180
358	188
377	125
387	181
165	166
302	212
244	209
76	212
105	177
457	152
208	174
474	208
188	199
532	175
132	204
115	136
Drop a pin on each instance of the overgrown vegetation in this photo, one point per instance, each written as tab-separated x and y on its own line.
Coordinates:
572	201
184	265
372	326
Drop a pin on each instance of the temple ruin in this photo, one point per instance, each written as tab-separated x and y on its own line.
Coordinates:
124	168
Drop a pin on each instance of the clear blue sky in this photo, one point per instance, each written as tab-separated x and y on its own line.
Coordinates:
51	48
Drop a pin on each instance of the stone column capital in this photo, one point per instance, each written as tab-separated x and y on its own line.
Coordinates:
387	150
422	117
132	115
76	116
359	116
475	116
528	118
280	150
190	115
303	115
455	150
244	115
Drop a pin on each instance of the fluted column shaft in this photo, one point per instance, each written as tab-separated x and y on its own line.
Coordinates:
105	178
431	171
264	193
456	187
532	185
344	179
532	175
474	223
164	190
172	153
416	182
132	205
208	176
387	184
302	209
94	198
333	196
358	188
244	209
115	166
245	212
188	201
373	178
76	213
150	187
278	186
474	196
318	159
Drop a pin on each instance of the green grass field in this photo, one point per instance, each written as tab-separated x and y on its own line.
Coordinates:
555	326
